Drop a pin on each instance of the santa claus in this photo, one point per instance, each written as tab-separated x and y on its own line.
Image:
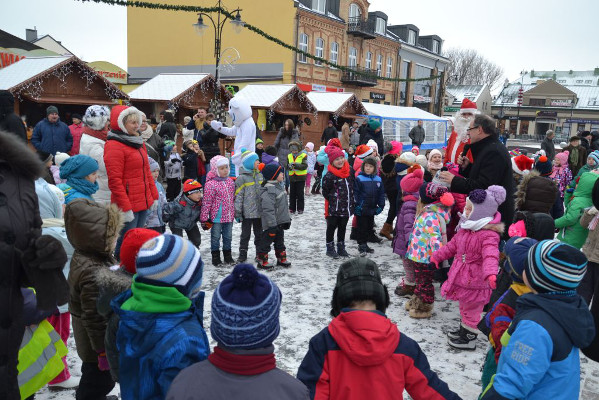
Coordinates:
459	136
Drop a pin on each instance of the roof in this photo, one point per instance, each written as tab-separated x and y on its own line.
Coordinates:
586	78
11	41
166	87
459	92
587	96
334	102
26	69
396	112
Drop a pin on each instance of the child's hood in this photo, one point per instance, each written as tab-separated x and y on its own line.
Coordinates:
585	184
365	337
92	228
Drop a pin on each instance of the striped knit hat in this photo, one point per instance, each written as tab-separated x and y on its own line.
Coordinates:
171	260
245	310
553	266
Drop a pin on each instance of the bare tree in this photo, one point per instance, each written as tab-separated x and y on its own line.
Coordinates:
468	67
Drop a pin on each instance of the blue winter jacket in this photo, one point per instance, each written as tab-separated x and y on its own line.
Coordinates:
52	137
369	193
541	360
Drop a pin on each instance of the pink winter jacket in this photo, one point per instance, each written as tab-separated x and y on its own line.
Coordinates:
476	256
218	193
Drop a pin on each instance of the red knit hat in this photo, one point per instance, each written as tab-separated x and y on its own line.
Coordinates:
468	106
132	242
334	142
363	151
191	186
522	164
411	182
333	152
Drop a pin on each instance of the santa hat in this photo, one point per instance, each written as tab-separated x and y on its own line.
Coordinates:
191	186
412	181
372	144
363	151
333	153
132	242
522	164
468	106
396	147
118	115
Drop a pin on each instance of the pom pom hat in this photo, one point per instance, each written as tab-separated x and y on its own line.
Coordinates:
485	202
544	166
432	193
522	164
412	182
333	153
132	242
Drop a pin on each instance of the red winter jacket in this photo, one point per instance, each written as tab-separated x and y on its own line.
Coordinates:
129	178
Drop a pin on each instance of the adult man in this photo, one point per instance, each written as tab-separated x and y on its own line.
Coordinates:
51	134
374	132
547	145
9	121
362	131
459	136
330	132
417	134
491	166
198	120
578	155
76	129
585	140
354	134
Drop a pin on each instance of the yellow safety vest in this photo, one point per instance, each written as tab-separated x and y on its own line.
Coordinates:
299	159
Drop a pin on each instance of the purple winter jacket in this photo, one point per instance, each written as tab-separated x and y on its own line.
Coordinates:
405	223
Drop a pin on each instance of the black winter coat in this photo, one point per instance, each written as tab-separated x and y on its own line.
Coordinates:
339	193
9	121
329	133
388	174
190	165
168	130
210	139
377	136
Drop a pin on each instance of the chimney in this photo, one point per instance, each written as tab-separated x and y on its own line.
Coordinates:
31	34
596	72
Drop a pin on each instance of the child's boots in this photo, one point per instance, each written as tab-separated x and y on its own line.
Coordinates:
216	258
420	309
466	339
228	257
405	290
243	255
263	261
341	250
331	250
282	259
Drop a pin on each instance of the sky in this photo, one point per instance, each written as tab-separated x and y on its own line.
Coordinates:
515	34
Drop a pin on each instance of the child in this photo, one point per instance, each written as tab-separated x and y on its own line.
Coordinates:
337	190
428	235
349	358
351	155
311	158
390	182
172	167
183	213
591	165
270	156
160	329
410	187
218	209
59	158
190	162
92	230
589	221
473	274
245	301
154	220
416	150
247	202
298	170
46	159
201	162
81	173
369	194
434	163
362	151
540	357
275	216
259	148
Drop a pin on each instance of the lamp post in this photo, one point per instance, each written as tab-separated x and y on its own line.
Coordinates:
506	84
200	27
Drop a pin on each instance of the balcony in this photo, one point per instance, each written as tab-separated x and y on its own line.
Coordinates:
359	77
362	28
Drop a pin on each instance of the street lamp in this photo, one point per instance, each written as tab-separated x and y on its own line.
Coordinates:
506	84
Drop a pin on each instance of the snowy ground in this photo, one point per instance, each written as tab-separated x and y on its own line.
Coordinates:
307	288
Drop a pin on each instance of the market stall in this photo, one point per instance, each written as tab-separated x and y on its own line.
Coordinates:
337	107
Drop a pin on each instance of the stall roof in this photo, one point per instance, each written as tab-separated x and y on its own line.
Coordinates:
166	87
396	112
26	69
335	102
267	96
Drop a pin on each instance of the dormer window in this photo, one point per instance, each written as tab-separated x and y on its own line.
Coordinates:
436	46
380	26
354	11
412	37
319	6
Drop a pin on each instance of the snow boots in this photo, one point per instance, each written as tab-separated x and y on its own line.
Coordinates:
466	339
373	238
364	250
263	261
341	250
228	257
216	258
353	235
420	309
243	255
282	259
331	250
404	290
387	231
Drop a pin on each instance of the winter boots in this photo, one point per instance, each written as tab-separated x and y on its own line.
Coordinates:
353	235
282	259
463	339
331	250
405	290
228	257
420	309
387	231
373	238
341	250
243	255
364	250
263	261
216	258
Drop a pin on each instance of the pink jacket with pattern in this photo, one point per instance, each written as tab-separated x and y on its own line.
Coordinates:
218	193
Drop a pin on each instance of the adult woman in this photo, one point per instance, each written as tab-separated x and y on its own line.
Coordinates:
210	139
92	143
168	129
286	134
129	177
344	138
154	143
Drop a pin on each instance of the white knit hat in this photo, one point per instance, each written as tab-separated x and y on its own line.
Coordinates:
59	158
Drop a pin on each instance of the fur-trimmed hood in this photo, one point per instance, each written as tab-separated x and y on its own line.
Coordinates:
114	279
535	193
21	158
499	228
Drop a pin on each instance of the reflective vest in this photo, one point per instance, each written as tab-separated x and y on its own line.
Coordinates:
299	160
40	358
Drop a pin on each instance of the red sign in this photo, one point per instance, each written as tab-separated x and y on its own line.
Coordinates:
7	59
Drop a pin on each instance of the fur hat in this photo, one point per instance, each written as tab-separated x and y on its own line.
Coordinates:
295	144
544	166
191	186
333	153
248	159
522	164
412	182
51	110
132	242
153	165
372	144
363	151
516	251
271	171
78	166
118	115
396	147
432	193
485	202
562	157
59	158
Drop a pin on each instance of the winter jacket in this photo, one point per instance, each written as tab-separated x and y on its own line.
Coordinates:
344	137
323	159
540	359
190	165
577	158
330	132
92	230
492	166
154	147
369	194
9	121
417	135
157	339
377	136
475	257
536	193
168	130
94	147
562	179
247	194
129	178
210	139
274	205
282	144
549	148
362	355
405	223
571	231
76	132
338	194
218	204
52	137
311	158
55	172
182	213
389	173
154	219
429	233
205	381
297	167
591	245
172	166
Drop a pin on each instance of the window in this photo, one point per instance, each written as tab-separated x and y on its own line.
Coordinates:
303	45
412	37
579	81
435	46
588	82
379	65
368	60
352	58
537	102
593	101
354	11
561	81
319	50
334	52
380	26
403	73
319	5
389	67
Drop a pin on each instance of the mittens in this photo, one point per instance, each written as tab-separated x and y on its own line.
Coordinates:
128	216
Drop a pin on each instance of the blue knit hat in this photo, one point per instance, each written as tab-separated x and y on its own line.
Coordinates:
245	310
554	266
271	171
78	166
516	251
248	158
153	164
171	260
595	157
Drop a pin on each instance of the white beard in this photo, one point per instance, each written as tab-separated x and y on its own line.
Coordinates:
461	126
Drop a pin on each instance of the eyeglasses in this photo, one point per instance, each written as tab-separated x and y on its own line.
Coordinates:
474	127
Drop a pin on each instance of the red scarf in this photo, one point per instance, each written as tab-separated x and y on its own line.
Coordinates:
97	134
342	172
242	364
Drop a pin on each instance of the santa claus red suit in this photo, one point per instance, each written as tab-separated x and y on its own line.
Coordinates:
459	136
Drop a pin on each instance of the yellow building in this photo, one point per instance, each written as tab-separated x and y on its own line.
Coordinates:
161	41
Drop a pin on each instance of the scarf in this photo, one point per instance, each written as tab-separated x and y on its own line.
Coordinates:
147	134
241	364
595	220
82	185
93	133
573	156
132	141
478	224
436	166
342	172
557	170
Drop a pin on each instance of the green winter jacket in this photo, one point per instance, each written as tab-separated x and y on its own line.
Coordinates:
247	194
571	231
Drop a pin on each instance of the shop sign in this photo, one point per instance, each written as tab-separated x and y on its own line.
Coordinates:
109	71
318	88
422	99
561	103
582	121
515	118
451	109
377	96
7	59
546	113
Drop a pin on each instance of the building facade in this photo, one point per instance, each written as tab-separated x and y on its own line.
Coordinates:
455	94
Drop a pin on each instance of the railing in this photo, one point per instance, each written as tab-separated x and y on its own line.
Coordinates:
360	76
359	27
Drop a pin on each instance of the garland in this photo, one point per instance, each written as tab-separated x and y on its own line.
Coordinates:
258	31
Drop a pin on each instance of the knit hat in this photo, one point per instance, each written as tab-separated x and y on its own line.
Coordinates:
218	161
485	202
334	142
516	251
51	110
408	158
59	158
432	193
420	159
538	226
191	186
415	150
359	279
153	164
522	164
544	166
258	140
330	122
297	145
96	116
411	182
271	151
514	153
562	157
372	144
396	147
595	157
310	146
78	166
433	152
173	261
76	116
118	115
333	153
245	310
132	242
271	171
554	266
374	124
44	156
363	151
248	158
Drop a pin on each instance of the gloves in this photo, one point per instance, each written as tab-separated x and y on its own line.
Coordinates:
103	361
291	166
154	206
128	216
238	219
492	281
378	211
358	210
434	261
216	125
285	226
272	232
207	225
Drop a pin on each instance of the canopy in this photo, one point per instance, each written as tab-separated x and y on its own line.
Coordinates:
340	104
